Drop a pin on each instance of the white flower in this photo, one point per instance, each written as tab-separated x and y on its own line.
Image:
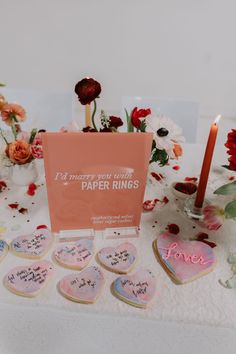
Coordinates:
166	133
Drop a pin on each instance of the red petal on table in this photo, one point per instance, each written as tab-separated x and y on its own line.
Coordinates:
3	185
13	205
31	189
157	176
23	210
41	227
149	205
202	236
176	168
191	179
165	200
231	178
173	228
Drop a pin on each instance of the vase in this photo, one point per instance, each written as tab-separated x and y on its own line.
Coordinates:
23	175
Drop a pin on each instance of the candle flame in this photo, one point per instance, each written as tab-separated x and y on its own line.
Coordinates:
216	121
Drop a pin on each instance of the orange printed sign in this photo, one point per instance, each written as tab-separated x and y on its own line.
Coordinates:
95	180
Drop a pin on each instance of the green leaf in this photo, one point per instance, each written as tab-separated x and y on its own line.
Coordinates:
160	156
230	210
130	127
227	189
2	85
32	135
143	126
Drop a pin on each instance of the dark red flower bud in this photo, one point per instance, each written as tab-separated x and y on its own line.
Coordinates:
115	122
89	130
136	114
87	90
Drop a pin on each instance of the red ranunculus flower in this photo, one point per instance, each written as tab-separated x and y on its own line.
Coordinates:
231	145
136	114
87	90
89	130
115	122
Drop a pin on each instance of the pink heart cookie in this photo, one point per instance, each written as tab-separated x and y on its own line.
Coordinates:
74	255
3	249
119	259
32	246
84	287
184	261
137	289
28	280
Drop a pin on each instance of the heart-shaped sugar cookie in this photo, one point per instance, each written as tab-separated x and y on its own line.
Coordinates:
184	260
84	287
28	280
118	259
137	289
3	249
76	255
34	245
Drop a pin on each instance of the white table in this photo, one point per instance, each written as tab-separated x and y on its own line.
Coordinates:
199	317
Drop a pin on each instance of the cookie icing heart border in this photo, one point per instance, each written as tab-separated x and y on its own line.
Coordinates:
168	262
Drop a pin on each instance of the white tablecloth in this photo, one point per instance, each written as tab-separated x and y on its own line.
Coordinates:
178	315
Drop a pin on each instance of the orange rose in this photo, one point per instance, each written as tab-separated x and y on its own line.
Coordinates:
19	152
178	151
12	110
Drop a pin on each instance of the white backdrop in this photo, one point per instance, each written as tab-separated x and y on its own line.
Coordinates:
166	48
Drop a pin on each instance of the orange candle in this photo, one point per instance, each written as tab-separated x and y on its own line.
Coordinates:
206	165
88	122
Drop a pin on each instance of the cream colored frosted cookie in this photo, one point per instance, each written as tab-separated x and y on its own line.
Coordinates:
84	287
3	249
28	280
32	246
120	259
137	289
76	255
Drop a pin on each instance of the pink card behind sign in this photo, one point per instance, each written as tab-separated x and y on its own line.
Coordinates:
96	180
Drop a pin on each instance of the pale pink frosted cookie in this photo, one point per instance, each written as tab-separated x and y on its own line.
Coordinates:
3	249
84	287
184	260
76	255
29	280
120	259
33	246
137	289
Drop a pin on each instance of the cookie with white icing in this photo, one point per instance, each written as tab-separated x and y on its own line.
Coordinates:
120	259
84	287
183	260
74	255
33	246
137	289
29	280
3	249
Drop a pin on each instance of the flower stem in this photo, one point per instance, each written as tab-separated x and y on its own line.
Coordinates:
93	115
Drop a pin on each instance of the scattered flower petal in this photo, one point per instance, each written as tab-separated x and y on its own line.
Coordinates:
191	179
41	227
23	210
213	217
13	205
176	168
157	176
173	229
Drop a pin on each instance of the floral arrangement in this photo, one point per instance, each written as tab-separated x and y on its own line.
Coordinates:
215	215
167	135
22	147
